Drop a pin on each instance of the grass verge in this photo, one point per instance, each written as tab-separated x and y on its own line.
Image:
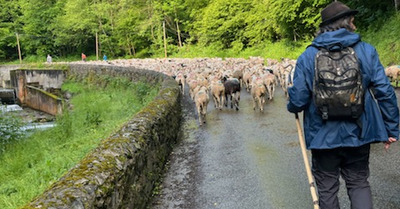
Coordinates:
31	165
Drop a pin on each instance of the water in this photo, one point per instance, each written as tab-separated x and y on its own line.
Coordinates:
38	126
10	108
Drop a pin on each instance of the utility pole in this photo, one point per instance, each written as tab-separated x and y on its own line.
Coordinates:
19	49
165	40
97	46
179	33
177	28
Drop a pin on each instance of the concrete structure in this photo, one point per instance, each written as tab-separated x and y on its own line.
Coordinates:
41	100
33	89
5	75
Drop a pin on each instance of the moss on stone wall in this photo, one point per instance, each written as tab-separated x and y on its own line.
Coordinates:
122	171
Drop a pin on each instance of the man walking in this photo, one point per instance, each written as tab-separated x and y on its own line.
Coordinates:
340	145
83	57
49	59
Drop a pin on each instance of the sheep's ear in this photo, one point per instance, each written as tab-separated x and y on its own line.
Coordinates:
185	76
174	76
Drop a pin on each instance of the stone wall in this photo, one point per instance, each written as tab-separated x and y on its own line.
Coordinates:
123	170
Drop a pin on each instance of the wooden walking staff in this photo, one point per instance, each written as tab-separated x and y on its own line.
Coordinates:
307	164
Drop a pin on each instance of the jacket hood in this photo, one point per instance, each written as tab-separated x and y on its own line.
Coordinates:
338	37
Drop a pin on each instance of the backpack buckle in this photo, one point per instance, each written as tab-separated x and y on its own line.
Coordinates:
324	112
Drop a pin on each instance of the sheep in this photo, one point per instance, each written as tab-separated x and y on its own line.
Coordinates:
258	91
218	93
247	79
238	74
232	89
287	78
202	80
201	101
269	80
393	72
192	86
180	78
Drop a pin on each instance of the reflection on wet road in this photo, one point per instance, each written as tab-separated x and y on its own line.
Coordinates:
249	159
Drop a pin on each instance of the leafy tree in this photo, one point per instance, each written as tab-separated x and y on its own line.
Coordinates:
135	27
9	23
38	17
297	19
260	25
223	22
76	25
371	12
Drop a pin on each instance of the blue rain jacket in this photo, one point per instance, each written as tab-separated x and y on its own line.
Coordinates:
380	118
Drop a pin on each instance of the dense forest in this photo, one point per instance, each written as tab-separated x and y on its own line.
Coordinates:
135	28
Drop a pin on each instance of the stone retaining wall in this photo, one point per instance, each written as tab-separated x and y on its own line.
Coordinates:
123	170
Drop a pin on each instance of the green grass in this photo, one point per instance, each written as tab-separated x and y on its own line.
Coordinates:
386	39
275	50
31	165
35	59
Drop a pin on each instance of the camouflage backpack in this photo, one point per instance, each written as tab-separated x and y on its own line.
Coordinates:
337	90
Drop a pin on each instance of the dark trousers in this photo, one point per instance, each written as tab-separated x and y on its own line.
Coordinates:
352	163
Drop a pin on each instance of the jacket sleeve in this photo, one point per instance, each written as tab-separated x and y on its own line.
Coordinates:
385	96
300	92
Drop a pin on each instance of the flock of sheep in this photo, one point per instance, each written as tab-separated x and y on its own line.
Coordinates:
221	79
224	79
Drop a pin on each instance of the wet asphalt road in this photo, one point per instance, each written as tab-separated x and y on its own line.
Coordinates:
251	160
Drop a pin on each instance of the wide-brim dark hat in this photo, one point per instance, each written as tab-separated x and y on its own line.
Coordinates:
335	11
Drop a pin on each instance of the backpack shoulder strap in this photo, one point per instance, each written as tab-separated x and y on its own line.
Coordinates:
312	45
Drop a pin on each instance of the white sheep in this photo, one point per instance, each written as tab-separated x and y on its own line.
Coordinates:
201	100
393	72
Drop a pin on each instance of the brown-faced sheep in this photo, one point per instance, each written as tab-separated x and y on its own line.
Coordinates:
247	79
201	99
270	82
218	94
258	92
393	73
238	74
192	86
180	79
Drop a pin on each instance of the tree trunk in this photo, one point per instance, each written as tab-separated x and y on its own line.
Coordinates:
396	4
97	46
19	49
165	40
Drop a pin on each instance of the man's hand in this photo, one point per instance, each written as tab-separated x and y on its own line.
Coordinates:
388	142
